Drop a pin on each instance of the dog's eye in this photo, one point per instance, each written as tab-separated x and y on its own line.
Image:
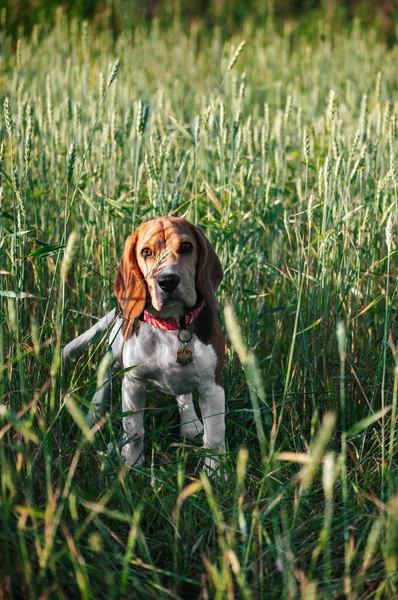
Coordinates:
186	248
146	252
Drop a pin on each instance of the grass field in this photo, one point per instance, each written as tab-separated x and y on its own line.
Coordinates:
284	151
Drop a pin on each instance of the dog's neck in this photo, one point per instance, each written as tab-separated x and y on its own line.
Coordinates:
173	323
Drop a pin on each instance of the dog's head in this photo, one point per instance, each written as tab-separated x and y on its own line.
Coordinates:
167	266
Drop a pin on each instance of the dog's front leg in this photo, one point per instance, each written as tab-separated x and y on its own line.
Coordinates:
212	406
190	424
133	402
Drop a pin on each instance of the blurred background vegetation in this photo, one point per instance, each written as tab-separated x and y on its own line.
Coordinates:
228	14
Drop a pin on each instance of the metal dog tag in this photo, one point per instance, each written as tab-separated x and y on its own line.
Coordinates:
184	356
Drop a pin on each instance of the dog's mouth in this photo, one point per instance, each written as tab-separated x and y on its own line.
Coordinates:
167	307
169	297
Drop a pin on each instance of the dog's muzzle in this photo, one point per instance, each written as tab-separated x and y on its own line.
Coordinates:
169	282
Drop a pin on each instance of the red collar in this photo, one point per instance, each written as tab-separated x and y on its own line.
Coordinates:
172	323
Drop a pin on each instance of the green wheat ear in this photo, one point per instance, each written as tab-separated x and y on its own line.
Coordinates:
235	56
2	159
306	145
8	117
142	118
114	73
70	164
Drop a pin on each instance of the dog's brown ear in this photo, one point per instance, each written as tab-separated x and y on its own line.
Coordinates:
209	272
130	287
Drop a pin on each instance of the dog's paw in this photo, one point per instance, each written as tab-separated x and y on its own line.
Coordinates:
95	414
191	429
131	457
91	419
214	470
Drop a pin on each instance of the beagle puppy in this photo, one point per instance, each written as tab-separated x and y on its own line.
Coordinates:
168	330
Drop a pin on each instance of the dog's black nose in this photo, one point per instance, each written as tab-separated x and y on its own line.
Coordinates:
168	283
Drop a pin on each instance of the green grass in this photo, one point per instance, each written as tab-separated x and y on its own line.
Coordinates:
285	154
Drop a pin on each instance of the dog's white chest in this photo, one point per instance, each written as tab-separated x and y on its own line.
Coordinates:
155	353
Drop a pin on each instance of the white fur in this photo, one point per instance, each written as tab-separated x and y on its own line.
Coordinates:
79	344
153	353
